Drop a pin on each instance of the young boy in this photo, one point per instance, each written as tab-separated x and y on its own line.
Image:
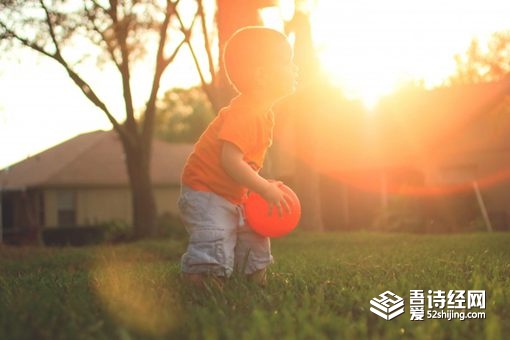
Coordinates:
225	162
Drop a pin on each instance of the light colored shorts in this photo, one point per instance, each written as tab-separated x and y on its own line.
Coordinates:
219	239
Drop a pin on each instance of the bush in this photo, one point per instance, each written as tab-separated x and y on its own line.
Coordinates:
113	231
117	231
403	214
171	226
430	214
73	236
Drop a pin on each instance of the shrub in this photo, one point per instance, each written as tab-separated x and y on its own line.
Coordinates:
171	226
73	236
116	231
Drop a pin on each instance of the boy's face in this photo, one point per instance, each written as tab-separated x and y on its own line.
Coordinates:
279	79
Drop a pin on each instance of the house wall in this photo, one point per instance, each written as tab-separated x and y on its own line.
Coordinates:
166	200
100	205
106	204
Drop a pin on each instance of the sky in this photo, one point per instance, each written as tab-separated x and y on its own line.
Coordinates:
368	47
41	107
371	47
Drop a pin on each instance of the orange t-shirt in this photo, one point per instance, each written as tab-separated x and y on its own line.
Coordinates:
241	124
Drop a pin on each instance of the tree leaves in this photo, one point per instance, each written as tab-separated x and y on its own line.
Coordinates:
484	63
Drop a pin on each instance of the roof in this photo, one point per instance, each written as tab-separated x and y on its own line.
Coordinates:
92	159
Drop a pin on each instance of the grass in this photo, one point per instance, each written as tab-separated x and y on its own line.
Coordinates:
320	287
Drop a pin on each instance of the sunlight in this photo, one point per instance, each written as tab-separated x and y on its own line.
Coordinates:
132	298
369	49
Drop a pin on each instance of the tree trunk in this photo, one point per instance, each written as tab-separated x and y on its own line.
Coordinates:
138	158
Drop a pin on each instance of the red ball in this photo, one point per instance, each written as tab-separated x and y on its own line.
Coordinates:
257	215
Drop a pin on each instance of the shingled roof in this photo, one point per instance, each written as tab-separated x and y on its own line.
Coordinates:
92	159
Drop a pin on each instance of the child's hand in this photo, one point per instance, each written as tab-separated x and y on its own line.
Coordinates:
276	198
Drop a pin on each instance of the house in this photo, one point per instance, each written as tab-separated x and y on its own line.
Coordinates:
423	160
442	155
83	182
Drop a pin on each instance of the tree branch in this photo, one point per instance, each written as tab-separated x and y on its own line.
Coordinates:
206	41
187	36
109	46
161	65
91	95
50	28
126	87
82	84
98	5
25	42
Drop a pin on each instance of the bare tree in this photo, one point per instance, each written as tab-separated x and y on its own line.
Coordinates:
113	32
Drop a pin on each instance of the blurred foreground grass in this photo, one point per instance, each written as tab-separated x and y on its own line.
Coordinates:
320	288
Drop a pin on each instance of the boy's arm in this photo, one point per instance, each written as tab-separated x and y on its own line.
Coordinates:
235	166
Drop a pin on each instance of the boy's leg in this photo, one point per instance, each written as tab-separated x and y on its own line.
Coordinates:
211	224
259	277
253	255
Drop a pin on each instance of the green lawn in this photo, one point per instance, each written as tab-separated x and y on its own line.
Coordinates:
320	288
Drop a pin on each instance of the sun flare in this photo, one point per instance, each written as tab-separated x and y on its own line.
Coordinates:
371	48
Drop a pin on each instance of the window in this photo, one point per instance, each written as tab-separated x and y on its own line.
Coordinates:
66	208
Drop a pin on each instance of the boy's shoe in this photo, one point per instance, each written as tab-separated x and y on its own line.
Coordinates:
259	277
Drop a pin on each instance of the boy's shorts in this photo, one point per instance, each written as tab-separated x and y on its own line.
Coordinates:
219	239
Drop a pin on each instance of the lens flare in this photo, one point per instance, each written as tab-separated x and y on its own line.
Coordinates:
134	297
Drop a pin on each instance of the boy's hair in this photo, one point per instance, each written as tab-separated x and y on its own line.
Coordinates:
250	48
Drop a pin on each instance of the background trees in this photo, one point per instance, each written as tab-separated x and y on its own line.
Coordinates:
183	114
484	63
114	34
91	36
